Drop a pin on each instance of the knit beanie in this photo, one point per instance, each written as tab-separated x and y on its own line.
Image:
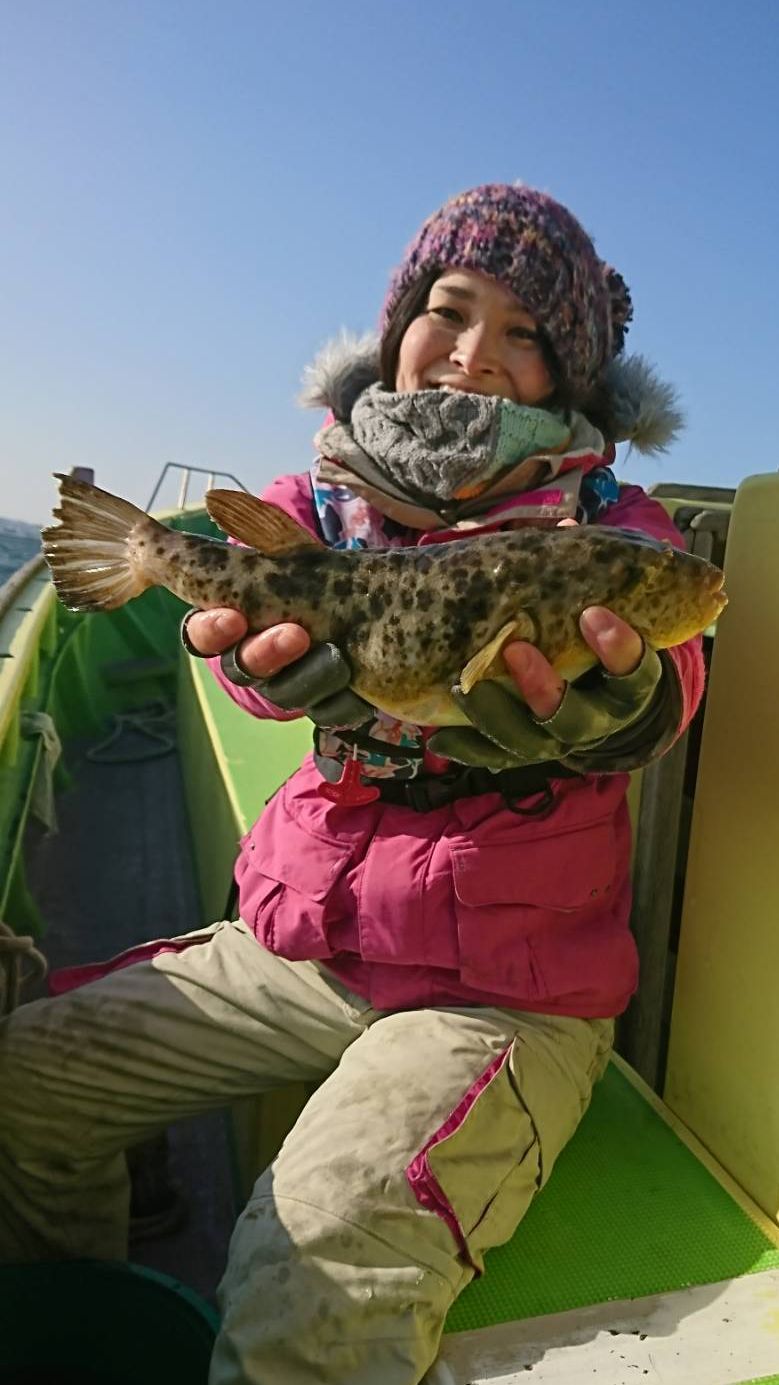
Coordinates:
533	246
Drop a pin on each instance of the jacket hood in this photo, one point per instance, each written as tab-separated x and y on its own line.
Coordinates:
630	404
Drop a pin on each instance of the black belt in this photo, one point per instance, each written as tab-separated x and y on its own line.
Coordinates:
430	791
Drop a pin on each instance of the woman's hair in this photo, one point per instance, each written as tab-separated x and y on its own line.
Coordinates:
412	303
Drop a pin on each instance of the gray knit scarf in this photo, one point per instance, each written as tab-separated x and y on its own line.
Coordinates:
445	444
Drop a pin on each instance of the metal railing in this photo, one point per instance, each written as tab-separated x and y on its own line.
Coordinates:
187	472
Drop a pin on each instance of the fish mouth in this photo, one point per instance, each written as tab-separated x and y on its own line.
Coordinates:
716	586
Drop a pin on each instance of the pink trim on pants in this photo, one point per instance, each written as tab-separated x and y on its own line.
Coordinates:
70	978
423	1182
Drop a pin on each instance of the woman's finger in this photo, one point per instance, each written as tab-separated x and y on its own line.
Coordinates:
261	656
618	646
541	688
212	632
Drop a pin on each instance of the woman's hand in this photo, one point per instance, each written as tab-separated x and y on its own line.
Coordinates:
281	665
555	720
617	645
260	656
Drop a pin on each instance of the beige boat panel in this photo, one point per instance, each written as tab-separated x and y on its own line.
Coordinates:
723	1068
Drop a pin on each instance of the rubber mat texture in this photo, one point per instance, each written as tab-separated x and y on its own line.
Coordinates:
628	1211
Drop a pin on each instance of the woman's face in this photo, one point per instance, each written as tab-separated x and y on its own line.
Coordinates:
474	335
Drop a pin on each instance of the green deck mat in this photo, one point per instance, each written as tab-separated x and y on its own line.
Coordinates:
628	1211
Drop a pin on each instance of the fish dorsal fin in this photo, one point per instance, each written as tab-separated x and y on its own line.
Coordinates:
522	627
257	523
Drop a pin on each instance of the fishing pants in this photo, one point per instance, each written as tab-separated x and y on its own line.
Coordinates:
422	1146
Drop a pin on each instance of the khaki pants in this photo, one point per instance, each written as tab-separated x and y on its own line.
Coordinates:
338	1271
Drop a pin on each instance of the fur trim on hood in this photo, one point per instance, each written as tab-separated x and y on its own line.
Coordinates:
639	407
340	372
631	403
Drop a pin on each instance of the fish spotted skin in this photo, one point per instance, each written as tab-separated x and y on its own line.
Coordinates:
409	620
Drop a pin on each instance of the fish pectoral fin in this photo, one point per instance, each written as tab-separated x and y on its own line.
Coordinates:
522	627
257	523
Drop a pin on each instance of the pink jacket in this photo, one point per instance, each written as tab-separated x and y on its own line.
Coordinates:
467	904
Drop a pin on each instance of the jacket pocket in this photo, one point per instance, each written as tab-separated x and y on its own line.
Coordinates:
287	884
515	901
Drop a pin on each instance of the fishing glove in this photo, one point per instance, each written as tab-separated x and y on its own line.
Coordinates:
317	683
604	724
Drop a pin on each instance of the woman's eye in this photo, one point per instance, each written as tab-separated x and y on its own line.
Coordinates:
448	314
524	335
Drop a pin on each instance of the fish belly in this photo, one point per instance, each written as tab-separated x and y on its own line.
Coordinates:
437	707
427	707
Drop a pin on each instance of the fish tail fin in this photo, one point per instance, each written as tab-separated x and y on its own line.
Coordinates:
94	565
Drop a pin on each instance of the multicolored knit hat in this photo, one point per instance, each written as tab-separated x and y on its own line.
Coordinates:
537	249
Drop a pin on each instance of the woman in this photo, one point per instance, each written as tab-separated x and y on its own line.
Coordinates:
443	945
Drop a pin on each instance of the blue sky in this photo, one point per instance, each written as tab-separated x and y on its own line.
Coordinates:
198	193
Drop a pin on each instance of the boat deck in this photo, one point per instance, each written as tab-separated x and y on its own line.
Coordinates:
127	822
